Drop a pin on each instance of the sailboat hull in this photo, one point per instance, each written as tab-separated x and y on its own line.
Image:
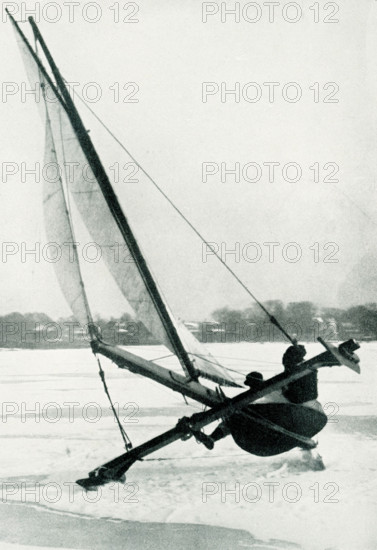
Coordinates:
257	431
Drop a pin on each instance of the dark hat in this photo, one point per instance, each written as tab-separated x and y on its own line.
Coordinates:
253	378
293	356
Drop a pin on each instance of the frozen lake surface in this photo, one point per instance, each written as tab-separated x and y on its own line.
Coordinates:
57	426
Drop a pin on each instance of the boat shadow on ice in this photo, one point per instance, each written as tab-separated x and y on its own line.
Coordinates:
67	530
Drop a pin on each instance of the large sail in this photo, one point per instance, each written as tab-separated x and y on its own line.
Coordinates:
105	233
63	144
58	226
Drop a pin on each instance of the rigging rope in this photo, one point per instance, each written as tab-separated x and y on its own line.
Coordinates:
126	439
271	318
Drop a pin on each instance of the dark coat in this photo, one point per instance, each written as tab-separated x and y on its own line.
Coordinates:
304	389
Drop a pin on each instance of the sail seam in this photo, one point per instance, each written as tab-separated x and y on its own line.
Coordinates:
69	221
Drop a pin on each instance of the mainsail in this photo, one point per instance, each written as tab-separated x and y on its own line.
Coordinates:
68	144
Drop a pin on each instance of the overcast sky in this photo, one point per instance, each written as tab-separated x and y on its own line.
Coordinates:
168	53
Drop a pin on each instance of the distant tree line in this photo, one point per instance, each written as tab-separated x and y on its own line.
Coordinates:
38	330
303	320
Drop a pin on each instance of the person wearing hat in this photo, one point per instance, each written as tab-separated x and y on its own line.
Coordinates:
304	389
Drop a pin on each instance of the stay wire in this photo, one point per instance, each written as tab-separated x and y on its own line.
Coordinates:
271	318
126	439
